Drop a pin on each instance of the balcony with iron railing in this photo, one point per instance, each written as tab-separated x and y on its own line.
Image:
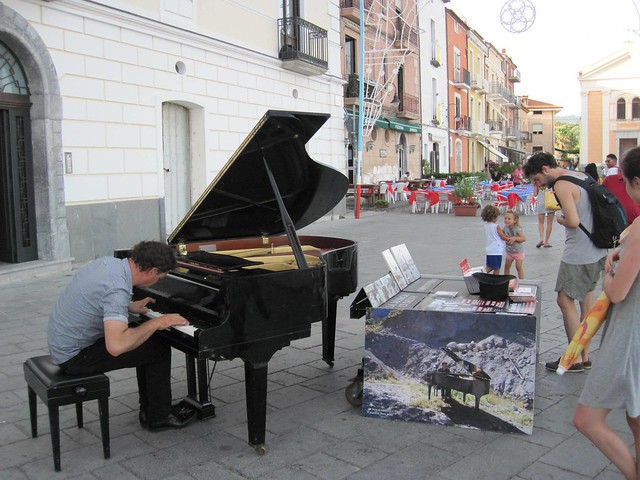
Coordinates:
501	95
409	107
480	129
514	75
462	124
496	127
302	46
525	136
461	78
351	9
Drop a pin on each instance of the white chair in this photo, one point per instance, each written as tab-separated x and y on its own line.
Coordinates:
384	190
444	200
529	207
421	203
399	192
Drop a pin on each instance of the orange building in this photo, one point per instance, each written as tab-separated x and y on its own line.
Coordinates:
610	91
458	95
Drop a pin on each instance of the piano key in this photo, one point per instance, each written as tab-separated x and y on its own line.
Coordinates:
187	329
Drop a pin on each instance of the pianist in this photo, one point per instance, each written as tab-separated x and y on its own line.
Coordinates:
89	332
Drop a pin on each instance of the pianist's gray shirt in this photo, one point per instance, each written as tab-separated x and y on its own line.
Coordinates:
99	291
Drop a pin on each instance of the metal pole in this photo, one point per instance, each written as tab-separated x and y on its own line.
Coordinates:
358	162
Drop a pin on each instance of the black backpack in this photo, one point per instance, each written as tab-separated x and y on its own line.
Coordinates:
609	218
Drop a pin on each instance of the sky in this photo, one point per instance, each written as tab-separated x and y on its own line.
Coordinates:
566	36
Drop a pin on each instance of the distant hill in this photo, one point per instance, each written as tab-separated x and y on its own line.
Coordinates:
569	119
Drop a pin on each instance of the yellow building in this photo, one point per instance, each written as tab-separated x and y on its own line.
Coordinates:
542	124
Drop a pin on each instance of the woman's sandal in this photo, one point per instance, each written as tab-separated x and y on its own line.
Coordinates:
539	244
548	245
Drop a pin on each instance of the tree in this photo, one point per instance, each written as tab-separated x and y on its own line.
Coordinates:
568	138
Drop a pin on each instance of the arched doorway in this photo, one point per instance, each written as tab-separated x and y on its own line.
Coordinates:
45	125
18	241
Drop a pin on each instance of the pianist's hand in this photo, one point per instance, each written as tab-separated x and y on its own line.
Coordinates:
140	306
169	320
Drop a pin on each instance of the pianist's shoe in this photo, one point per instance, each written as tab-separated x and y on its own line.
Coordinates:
176	419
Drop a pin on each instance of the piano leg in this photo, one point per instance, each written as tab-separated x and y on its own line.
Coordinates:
329	333
198	394
255	376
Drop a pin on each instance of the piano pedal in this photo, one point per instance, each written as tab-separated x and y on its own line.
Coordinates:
353	392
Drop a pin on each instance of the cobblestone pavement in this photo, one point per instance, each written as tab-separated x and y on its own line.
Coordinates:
312	431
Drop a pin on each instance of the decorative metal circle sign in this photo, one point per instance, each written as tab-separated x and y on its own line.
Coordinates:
517	16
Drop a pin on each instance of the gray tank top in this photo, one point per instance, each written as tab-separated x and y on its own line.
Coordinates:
578	248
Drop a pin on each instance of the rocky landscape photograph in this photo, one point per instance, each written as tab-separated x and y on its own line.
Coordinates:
473	370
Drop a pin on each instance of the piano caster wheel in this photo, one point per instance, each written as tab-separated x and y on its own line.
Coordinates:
260	449
353	393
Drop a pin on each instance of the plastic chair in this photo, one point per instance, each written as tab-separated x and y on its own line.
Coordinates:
444	199
399	192
384	190
501	202
420	203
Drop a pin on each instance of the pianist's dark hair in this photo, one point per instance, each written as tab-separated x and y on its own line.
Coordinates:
150	254
536	161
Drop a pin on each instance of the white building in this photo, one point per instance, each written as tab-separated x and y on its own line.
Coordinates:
128	109
434	86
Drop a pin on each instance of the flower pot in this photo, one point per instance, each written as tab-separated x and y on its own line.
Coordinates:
465	210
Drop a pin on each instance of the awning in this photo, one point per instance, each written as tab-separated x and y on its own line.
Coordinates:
515	150
497	153
401	125
351	121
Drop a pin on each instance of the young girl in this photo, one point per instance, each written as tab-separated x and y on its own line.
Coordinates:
613	381
515	247
495	239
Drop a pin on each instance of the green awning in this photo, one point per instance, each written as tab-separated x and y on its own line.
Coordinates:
401	125
351	121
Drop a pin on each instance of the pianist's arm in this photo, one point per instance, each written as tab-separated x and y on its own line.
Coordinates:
121	338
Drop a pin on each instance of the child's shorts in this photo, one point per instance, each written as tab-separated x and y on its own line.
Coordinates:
515	256
494	261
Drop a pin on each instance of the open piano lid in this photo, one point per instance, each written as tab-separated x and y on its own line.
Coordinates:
240	201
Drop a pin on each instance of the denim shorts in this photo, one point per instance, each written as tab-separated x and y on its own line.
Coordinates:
494	261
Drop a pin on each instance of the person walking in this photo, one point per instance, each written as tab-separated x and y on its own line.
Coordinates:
613	382
495	239
582	262
543	213
514	245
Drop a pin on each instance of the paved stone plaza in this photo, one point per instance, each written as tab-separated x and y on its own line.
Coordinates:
312	431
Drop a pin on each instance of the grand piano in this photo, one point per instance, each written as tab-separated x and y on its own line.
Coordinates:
476	382
244	279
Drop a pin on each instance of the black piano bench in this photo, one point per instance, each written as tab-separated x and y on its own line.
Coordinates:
46	380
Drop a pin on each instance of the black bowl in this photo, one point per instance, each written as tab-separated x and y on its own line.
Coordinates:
493	287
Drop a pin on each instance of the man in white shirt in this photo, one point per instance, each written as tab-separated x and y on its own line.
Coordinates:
612	164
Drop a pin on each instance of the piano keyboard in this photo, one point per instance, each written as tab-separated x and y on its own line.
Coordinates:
187	329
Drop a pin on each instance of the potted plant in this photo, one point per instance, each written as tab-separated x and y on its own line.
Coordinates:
464	198
381	203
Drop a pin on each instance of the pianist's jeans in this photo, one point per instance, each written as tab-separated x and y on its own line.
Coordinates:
152	360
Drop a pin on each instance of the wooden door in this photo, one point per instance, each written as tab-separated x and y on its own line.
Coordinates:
17	206
176	163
